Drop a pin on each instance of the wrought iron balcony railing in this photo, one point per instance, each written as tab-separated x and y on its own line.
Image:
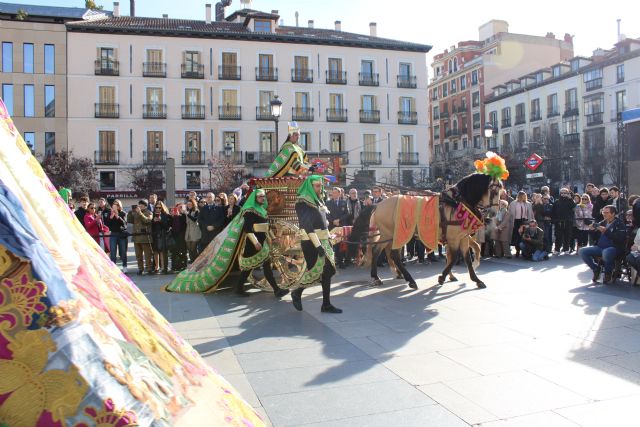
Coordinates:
107	111
336	114
229	72
154	111
229	112
193	71
235	157
108	157
369	116
407	82
407	118
302	114
264	113
370	157
154	69
408	158
107	67
154	157
336	77
194	112
369	79
266	74
302	75
193	157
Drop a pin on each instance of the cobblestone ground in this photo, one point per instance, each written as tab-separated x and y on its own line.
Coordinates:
541	346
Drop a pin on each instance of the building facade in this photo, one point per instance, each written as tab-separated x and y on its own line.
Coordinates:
464	75
33	71
570	115
200	92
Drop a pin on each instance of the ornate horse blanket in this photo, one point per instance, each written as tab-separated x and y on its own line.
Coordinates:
416	215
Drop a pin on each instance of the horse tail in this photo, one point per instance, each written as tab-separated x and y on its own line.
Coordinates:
360	230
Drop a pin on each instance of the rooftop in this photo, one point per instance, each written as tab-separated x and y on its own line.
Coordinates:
51	12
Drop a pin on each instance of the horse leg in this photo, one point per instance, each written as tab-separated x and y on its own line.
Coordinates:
472	273
395	255
393	263
375	280
449	266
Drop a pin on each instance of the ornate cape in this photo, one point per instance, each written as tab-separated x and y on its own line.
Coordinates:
290	161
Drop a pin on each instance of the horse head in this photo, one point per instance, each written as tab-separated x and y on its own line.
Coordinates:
480	191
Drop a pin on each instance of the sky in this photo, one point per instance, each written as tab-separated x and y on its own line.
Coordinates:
440	24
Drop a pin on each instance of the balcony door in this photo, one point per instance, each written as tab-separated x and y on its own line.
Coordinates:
406	105
302	101
301	67
192	97
191	61
107	56
335	101
229	59
266	142
107	145
155	146
337	142
366	68
155	98
406	144
192	142
229	101
369	143
265	64
405	70
368	102
107	95
335	68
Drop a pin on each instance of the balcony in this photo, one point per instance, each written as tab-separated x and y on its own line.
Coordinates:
520	120
342	155
193	157
451	133
106	157
436	136
229	72
444	114
407	118
193	112
229	112
154	69
336	114
193	71
107	111
553	111
235	157
107	67
462	109
154	111
572	138
370	158
266	74
476	125
264	113
436	116
506	123
571	110
593	84
369	116
408	158
369	79
259	158
302	114
336	77
534	116
302	75
407	82
616	115
594	119
154	157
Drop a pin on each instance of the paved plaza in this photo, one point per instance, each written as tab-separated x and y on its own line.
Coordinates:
541	346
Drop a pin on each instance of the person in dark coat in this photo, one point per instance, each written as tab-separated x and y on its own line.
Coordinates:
81	209
232	209
160	225
118	239
563	216
316	246
338	216
211	221
178	232
255	248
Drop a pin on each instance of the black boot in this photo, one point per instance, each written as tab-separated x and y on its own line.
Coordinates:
328	308
279	293
239	287
326	296
296	298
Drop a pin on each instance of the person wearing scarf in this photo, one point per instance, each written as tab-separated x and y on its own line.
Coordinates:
316	247
254	249
291	160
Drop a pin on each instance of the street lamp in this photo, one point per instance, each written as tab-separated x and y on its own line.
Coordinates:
488	132
276	112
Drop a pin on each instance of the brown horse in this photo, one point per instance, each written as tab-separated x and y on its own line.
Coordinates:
475	191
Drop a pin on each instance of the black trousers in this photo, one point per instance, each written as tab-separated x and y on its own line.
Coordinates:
268	274
563	235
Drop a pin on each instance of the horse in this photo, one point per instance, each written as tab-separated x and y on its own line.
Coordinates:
475	192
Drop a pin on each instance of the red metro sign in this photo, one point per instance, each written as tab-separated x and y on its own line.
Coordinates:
533	162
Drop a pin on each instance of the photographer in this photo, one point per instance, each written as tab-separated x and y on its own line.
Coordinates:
563	216
532	243
611	243
118	239
140	217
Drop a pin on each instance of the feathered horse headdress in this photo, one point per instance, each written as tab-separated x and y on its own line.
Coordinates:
493	165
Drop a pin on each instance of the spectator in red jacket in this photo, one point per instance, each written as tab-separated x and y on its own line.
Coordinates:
93	223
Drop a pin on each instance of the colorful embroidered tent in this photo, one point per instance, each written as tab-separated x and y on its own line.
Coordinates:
80	345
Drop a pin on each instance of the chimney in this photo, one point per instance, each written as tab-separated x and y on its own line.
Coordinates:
618	20
132	8
297	14
274	12
116	9
338	26
165	16
310	23
207	15
373	29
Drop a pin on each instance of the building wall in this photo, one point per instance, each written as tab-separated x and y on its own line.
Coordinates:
83	127
39	34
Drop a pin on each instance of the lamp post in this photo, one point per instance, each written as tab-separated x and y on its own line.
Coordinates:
488	133
228	149
276	111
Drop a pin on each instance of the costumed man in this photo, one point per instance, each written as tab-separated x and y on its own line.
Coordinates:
316	246
291	159
254	245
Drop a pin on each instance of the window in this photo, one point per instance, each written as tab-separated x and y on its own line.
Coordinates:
536	134
475	99
571	125
455	64
302	101
266	142
265	66
556	71
535	109
406	144
465	143
593	75
405	70
335	66
305	140
30	140
450	67
445	90
476	141
7	57
49	101
436	132
107	180
493	119
539	78
476	120
369	143
456	146
575	64
506	141
49	59
29	101
453	86
521	138
506	117
192	61
262	25
552	105
463	82
368	102
335	101
49	143
437	150
27	52
474	77
621	101
193	180
230	138
107	145
7	97
520	113
406	104
155	141
571	99
301	63
337	142
594	105
436	112
620	73
192	141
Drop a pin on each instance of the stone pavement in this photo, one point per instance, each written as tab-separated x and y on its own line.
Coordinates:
541	346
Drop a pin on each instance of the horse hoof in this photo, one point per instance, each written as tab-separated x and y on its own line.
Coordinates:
399	276
413	285
441	280
453	279
376	282
481	285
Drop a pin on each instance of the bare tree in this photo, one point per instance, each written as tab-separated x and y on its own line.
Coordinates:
77	173
224	174
146	179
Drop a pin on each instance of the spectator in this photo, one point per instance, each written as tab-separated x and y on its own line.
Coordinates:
192	195
611	243
602	201
354	207
563	216
583	215
224	201
547	223
159	230
367	201
501	233
72	206
140	217
104	211
193	233
595	193
377	195
633	258
178	232
532	244
589	189
538	207
153	198
65	194
232	209
545	192
81	210
634	205
520	211
93	223
117	223
207	219
618	200
338	216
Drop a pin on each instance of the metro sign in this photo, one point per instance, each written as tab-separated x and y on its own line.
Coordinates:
533	162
